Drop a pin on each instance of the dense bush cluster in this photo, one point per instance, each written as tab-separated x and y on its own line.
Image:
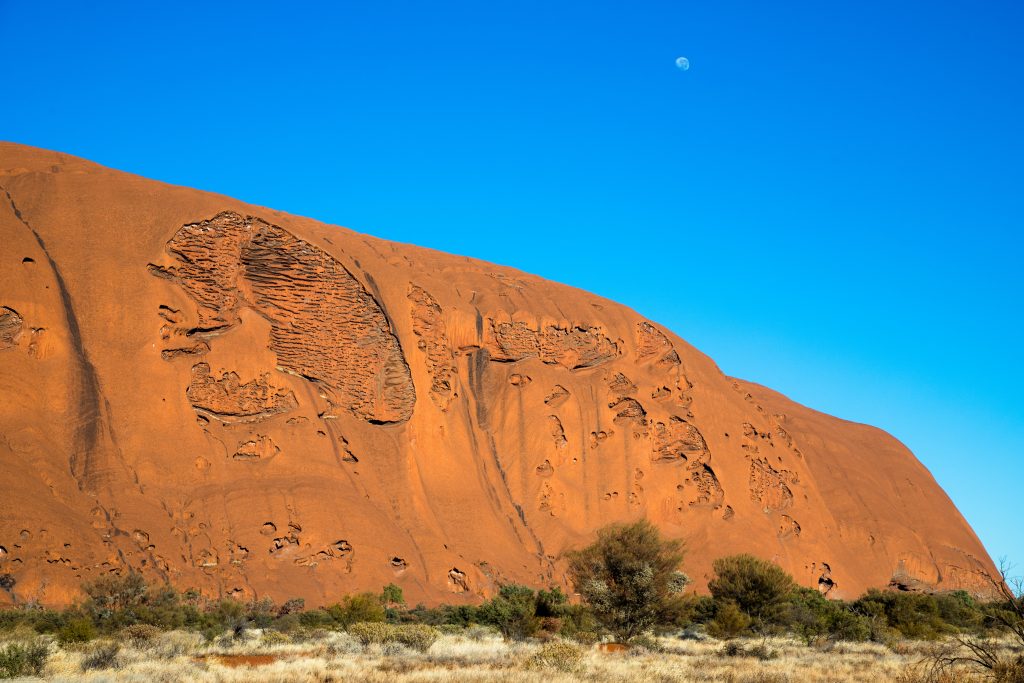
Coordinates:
748	597
419	637
628	581
23	659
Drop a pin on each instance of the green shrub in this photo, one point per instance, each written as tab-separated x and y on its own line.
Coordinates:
811	616
113	600
846	625
77	630
354	609
729	621
343	644
513	612
392	596
272	638
629	578
551	603
419	637
317	618
959	609
576	618
557	654
371	632
23	659
914	615
757	587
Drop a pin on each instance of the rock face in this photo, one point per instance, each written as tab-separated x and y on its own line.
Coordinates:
256	404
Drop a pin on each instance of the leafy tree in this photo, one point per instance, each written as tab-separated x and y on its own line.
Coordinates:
758	588
392	596
513	612
630	578
353	609
112	600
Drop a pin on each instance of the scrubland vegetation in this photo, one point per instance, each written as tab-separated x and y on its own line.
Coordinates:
635	622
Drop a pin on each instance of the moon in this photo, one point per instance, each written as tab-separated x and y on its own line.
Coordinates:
683	63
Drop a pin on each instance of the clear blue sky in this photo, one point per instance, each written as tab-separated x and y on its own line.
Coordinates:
828	202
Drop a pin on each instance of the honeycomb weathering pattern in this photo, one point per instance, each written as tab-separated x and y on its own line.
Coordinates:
228	399
578	347
10	327
428	325
244	422
325	326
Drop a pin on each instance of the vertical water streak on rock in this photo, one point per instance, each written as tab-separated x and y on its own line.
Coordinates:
86	394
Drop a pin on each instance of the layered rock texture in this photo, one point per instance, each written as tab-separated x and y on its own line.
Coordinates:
256	404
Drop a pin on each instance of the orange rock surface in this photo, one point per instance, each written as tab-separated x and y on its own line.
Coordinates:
256	404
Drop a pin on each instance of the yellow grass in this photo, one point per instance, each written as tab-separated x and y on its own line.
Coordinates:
337	657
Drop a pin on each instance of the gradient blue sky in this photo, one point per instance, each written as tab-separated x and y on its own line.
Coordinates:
829	202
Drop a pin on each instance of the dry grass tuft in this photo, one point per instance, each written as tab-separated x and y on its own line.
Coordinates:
481	657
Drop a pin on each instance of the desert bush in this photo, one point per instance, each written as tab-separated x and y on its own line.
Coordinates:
560	655
355	609
477	632
645	643
419	637
291	606
513	612
988	656
585	638
630	578
392	596
729	621
759	651
140	635
77	630
810	616
101	655
23	659
343	644
551	603
914	615
757	587
1009	671
371	632
576	618
271	638
316	618
113	600
175	644
959	609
